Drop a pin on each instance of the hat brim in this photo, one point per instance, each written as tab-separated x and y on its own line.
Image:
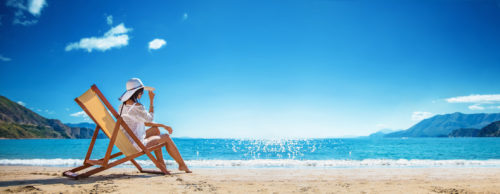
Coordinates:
149	88
125	96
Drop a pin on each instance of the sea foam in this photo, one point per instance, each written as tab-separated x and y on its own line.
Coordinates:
275	163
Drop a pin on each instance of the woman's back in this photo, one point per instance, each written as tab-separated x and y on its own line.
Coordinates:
135	115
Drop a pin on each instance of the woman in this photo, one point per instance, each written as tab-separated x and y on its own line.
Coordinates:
137	118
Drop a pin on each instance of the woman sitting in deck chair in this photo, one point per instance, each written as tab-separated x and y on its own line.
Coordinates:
137	118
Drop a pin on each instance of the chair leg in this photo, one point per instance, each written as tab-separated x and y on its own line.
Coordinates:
80	167
159	157
110	165
157	164
144	171
136	165
154	172
72	173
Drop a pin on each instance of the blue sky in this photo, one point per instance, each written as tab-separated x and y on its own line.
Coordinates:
258	69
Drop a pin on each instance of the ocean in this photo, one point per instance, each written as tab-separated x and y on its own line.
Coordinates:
281	153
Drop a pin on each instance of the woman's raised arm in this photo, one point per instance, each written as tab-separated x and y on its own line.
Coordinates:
151	99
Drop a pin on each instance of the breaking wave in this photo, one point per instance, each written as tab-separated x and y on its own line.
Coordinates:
276	163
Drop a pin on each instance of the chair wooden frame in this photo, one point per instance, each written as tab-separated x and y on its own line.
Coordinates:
104	163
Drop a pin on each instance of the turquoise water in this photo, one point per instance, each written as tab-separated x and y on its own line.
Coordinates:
239	153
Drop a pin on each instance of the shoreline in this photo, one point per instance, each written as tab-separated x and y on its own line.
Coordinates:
278	163
290	138
265	180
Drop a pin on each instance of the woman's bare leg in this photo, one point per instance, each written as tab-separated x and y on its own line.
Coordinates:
159	157
170	146
153	131
174	153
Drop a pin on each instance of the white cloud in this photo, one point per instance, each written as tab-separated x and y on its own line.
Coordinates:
476	107
79	114
115	37
117	30
156	44
2	58
34	7
184	17
109	20
21	19
19	4
21	103
418	115
491	107
477	101
475	98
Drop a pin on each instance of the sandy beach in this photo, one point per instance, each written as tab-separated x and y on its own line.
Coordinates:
24	179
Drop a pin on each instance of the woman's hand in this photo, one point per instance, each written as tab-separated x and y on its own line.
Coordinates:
168	128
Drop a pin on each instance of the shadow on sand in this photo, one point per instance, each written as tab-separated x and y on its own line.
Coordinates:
67	181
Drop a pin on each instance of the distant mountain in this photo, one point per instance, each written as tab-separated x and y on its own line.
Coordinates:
82	124
11	112
381	133
92	126
442	125
16	121
464	132
13	130
491	130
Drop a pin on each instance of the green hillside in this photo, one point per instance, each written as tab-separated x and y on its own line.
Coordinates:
17	121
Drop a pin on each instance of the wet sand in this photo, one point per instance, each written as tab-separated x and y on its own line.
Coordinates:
23	179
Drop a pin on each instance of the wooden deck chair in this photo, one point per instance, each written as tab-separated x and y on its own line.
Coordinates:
94	104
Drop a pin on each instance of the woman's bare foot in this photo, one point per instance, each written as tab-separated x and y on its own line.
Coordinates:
185	169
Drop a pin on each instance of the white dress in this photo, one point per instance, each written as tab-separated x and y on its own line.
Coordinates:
135	116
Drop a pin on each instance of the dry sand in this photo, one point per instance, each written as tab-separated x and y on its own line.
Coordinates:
125	180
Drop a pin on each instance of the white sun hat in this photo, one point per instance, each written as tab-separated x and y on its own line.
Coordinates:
132	86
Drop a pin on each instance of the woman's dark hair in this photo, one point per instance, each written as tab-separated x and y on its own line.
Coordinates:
136	94
133	98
